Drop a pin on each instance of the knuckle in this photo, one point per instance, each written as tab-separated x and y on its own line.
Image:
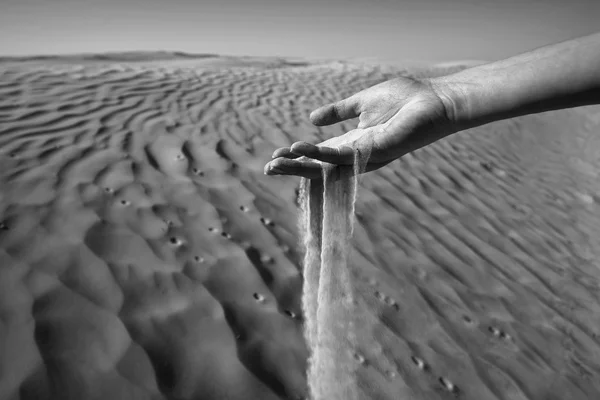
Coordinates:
338	110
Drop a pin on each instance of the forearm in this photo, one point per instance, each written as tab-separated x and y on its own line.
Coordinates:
562	75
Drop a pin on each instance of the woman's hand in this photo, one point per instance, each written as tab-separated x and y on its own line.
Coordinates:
395	117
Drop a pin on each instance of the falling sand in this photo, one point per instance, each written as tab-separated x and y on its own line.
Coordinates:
326	222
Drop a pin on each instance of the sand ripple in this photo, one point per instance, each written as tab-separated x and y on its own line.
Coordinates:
144	255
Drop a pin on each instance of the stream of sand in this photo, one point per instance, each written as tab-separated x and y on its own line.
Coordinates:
331	329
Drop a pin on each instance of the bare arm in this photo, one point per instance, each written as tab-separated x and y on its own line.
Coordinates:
404	114
562	75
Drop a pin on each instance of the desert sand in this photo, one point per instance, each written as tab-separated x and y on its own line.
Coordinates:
145	255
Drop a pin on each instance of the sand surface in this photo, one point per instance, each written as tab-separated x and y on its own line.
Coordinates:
144	255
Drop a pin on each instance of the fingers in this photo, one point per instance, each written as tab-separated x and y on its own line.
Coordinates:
284	152
310	169
344	155
336	112
333	155
286	166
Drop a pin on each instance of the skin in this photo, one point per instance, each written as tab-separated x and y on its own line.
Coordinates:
399	115
404	114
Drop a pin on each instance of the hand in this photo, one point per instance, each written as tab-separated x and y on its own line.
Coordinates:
395	117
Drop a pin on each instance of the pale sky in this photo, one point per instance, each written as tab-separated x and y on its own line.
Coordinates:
416	30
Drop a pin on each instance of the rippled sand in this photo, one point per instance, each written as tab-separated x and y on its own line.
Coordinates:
144	255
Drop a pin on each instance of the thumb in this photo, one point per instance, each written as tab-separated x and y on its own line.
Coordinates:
336	112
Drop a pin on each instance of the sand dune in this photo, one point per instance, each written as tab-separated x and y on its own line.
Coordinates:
144	255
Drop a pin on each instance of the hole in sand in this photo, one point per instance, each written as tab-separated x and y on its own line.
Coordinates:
418	362
196	171
449	386
176	241
212	229
226	235
108	190
360	358
390	302
267	221
244	208
495	331
487	166
290	313
199	259
259	297
467	319
125	202
498	333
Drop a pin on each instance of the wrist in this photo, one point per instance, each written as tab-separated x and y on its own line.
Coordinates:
455	100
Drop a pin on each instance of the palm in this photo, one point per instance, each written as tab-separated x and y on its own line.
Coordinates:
383	101
395	117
